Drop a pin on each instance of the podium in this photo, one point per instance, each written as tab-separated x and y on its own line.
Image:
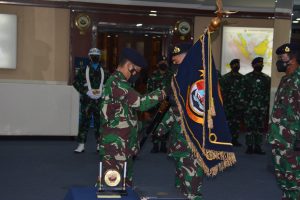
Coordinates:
89	193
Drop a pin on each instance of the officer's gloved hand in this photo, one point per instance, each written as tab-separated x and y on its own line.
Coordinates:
91	95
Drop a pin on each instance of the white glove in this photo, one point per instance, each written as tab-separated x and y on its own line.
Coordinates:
90	94
97	96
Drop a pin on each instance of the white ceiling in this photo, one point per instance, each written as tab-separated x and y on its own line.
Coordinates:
240	5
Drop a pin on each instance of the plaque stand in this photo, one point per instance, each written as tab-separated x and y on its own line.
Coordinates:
111	184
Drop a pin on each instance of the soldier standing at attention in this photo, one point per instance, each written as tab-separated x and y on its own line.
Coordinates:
157	80
188	172
232	93
89	83
257	96
119	106
284	132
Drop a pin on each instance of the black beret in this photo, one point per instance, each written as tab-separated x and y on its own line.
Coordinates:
234	62
257	60
181	48
286	48
134	56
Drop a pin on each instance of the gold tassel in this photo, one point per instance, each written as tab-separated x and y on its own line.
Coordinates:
213	110
210	123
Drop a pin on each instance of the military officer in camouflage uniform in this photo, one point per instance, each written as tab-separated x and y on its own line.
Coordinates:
232	93
89	83
285	123
257	96
188	174
119	106
158	80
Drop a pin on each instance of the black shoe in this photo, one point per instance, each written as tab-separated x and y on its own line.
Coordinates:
236	143
258	150
155	148
163	147
249	150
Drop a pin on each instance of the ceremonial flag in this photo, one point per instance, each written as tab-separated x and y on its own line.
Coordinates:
198	98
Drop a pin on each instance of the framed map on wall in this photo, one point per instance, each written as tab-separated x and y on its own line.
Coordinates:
246	43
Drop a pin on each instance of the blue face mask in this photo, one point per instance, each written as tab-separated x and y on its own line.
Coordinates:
95	65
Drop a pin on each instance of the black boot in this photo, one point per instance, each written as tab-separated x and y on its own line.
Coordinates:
258	150
163	147
249	149
155	148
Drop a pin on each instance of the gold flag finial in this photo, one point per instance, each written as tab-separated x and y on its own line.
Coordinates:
216	21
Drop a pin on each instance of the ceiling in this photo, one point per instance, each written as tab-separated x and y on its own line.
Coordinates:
241	5
284	6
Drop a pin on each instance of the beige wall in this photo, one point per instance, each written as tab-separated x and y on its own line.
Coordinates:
42	46
202	22
282	33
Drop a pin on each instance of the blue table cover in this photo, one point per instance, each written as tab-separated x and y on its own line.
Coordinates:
89	193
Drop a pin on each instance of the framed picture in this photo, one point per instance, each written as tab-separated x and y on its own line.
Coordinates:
246	43
8	41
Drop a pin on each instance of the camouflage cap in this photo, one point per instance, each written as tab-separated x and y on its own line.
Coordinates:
257	60
234	62
134	56
286	48
181	48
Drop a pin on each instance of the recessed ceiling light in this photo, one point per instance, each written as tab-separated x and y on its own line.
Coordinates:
298	19
295	22
152	14
139	25
153	11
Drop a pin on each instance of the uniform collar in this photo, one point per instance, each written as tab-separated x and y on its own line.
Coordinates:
120	75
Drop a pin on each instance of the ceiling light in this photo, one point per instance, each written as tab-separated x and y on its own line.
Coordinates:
153	11
138	25
295	22
298	19
152	14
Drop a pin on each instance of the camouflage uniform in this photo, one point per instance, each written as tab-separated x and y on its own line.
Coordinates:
232	93
284	128
119	127
159	80
188	172
88	107
257	97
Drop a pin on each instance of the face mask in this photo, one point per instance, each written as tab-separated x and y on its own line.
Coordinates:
174	67
163	66
258	68
282	66
133	78
236	69
94	59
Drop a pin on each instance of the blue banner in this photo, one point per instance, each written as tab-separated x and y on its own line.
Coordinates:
198	97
